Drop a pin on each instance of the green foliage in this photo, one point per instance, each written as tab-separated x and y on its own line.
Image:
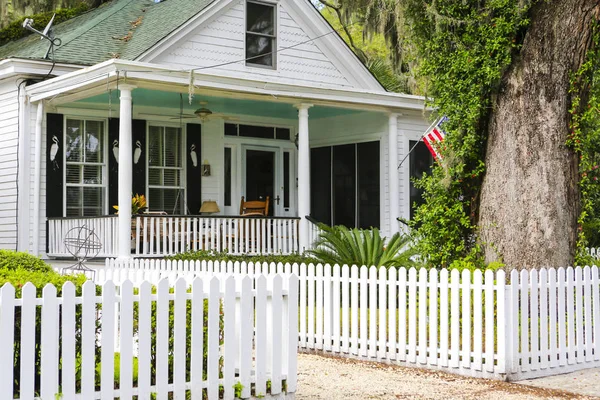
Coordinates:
371	48
237	390
15	31
209	255
18	260
584	138
341	245
464	48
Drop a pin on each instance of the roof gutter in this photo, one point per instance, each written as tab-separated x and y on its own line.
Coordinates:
117	71
18	66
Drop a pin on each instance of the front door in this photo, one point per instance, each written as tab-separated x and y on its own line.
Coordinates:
260	176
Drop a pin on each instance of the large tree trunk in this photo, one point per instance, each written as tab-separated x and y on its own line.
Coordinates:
530	199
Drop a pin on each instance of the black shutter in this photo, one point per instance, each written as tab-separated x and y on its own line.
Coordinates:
113	164
194	175
54	165
138	130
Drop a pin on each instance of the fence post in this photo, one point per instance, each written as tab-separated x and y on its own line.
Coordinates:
504	325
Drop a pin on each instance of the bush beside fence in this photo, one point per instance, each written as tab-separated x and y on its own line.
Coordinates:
252	352
537	323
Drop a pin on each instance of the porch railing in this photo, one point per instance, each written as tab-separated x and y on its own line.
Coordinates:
106	228
160	235
166	235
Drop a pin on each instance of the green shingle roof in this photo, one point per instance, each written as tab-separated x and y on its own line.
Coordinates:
118	29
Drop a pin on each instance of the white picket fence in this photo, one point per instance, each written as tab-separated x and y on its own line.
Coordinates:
537	323
257	326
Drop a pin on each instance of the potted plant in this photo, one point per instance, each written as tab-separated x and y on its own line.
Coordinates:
138	205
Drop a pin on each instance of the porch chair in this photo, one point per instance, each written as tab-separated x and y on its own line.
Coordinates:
254	207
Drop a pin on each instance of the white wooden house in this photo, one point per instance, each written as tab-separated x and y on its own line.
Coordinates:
295	116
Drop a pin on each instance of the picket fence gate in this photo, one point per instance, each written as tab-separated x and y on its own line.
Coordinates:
530	324
255	319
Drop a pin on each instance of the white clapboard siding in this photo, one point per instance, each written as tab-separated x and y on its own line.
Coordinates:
9	138
221	43
266	356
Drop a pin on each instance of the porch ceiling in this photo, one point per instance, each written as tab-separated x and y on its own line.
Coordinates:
170	101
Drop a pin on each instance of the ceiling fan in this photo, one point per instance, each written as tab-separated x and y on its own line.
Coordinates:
203	113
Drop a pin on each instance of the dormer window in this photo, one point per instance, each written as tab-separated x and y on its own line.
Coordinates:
260	34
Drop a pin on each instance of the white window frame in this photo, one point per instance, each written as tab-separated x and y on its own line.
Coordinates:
274	37
182	176
104	164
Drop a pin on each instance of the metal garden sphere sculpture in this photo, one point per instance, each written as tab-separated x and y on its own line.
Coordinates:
83	244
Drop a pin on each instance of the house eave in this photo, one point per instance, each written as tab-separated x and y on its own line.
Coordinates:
11	67
113	72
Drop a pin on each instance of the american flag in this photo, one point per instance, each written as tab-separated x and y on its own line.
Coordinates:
434	136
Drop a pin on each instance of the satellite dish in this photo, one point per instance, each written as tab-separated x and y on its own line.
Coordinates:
46	34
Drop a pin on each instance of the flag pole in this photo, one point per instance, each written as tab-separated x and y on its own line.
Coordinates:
412	148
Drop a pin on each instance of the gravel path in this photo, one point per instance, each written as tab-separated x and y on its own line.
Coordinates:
322	377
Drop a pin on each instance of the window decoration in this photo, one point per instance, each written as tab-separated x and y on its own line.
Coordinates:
260	34
85	164
165	170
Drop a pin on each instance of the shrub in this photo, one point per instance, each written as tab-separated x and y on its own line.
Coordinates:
341	245
209	255
18	277
13	260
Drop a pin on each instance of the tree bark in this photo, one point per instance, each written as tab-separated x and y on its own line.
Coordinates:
530	197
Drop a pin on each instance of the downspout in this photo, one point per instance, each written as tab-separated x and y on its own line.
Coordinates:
37	177
23	173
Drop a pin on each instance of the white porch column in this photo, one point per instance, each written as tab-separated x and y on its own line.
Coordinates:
303	174
394	194
37	178
125	171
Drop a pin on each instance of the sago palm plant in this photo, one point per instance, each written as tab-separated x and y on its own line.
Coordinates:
341	245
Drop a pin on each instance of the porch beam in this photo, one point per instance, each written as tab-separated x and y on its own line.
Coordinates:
37	182
303	174
393	176
125	171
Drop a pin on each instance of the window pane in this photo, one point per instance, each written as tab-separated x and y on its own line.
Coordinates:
167	200
171	177
420	163
259	50
320	182
368	185
94	140
155	146
344	185
92	174
154	176
73	140
286	179
282	133
260	18
227	199
231	130
92	201
73	173
172	147
74	197
262	132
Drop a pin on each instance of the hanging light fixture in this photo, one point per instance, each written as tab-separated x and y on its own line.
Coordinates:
203	112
